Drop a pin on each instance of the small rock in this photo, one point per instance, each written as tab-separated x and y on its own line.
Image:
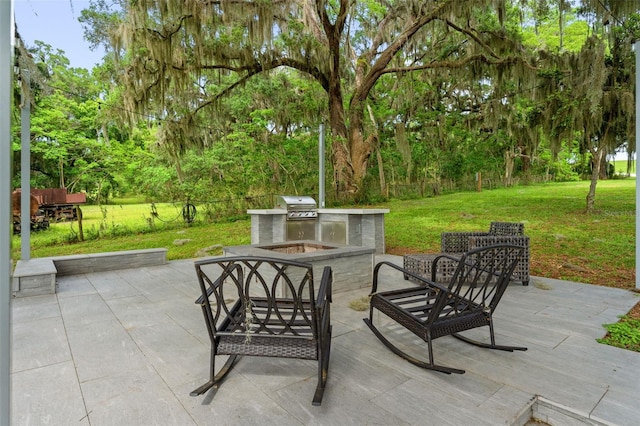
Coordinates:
206	251
573	267
181	242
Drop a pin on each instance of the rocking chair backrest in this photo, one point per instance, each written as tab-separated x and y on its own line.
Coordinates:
265	307
506	228
479	281
242	299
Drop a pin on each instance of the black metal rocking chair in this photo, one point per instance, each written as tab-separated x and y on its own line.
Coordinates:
431	310
265	307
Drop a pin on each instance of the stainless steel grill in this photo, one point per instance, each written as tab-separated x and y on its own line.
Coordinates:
298	207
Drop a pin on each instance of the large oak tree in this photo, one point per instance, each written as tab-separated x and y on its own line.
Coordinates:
183	56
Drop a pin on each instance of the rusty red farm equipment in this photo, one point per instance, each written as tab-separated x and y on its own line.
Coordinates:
48	205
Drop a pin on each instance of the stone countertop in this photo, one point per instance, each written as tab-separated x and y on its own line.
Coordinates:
267	211
354	211
321	211
330	251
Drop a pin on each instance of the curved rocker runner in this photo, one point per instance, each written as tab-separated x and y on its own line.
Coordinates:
431	310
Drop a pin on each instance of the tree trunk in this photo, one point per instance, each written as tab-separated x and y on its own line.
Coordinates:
105	135
383	184
61	169
404	148
343	173
561	22
604	170
361	150
526	159
179	172
509	162
350	150
598	155
80	229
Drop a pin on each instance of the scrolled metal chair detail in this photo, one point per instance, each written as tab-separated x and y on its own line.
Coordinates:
261	306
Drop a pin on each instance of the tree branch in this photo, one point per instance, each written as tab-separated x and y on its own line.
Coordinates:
459	64
257	68
473	36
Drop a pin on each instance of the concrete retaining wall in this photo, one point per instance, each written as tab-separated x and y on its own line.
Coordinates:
38	276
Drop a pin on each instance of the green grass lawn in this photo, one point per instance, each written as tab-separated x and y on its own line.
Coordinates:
133	226
621	167
566	243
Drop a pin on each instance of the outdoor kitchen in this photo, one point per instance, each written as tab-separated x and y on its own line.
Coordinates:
345	239
298	218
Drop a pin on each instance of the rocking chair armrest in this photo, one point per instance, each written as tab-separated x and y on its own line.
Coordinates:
323	308
200	300
325	290
420	281
206	261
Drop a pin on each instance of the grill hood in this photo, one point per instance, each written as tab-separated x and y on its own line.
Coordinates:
296	202
298	207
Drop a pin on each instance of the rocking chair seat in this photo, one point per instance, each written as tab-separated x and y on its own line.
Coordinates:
431	310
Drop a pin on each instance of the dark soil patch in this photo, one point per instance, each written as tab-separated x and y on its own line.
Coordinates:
635	312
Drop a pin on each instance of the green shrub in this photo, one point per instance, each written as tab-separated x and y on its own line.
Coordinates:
623	334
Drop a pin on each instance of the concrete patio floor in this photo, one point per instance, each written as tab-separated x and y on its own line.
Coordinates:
126	347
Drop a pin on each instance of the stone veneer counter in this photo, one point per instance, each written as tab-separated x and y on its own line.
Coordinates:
354	211
352	227
352	266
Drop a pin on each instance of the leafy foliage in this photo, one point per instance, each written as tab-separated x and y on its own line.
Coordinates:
623	334
420	97
70	146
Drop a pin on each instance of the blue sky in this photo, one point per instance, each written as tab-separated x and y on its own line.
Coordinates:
55	22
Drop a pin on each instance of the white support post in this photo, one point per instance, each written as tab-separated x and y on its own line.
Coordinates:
25	168
636	47
6	95
321	183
